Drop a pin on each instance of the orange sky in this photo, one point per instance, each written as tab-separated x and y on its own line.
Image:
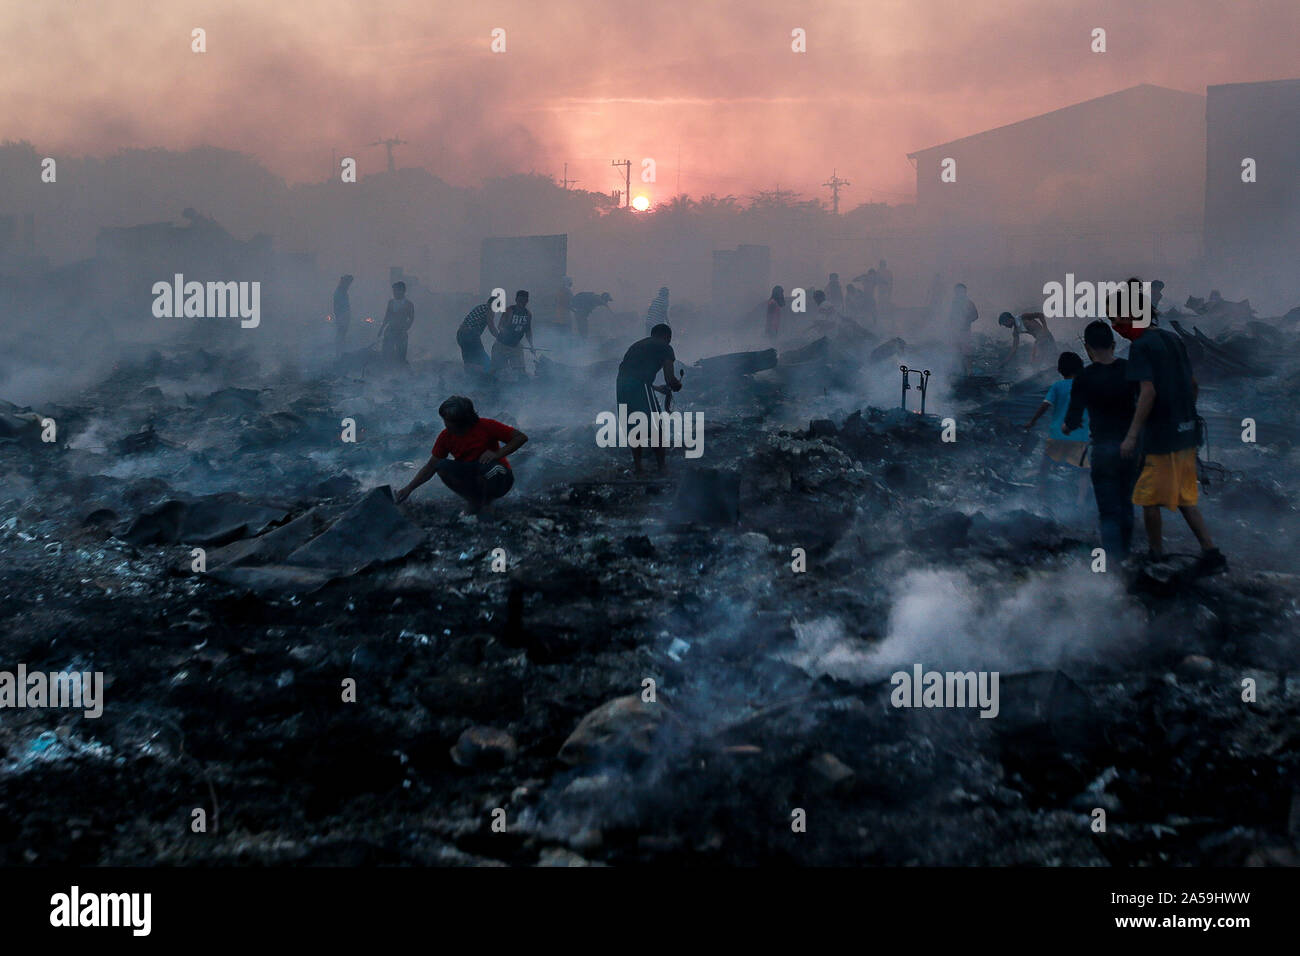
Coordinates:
587	81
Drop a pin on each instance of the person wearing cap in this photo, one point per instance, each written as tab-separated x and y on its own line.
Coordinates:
583	304
478	471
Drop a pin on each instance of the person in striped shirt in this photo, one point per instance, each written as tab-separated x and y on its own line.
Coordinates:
470	335
657	314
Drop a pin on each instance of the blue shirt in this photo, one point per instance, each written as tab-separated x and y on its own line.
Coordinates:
1058	396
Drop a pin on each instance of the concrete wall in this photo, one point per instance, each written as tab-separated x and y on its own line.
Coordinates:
535	263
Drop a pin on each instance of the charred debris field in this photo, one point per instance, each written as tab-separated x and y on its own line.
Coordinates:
623	671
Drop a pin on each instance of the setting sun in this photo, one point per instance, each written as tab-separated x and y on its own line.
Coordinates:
641	203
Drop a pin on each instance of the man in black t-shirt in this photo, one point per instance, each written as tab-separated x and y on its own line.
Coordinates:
636	374
1104	391
1165	420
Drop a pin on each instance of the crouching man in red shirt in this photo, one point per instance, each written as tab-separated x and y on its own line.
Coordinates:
480	472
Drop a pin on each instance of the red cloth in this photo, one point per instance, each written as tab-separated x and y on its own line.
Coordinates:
486	434
1123	328
1127	330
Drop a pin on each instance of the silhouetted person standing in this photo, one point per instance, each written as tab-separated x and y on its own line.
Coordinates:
1104	393
774	306
834	294
342	313
870	284
398	319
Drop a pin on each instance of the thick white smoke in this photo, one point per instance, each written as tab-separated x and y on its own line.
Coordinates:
945	619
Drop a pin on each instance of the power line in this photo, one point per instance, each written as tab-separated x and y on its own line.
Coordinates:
836	184
627	168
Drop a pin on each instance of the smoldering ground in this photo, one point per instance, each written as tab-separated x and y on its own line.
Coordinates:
968	620
481	690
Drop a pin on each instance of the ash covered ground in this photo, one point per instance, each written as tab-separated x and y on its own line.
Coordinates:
523	690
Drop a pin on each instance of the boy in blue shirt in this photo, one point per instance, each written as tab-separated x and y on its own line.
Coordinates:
1062	446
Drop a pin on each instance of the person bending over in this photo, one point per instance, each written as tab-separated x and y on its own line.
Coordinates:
470	336
1033	324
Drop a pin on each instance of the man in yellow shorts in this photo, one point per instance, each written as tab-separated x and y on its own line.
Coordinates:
1165	420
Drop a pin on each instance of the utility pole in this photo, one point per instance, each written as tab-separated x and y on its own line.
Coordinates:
836	184
389	144
627	168
567	182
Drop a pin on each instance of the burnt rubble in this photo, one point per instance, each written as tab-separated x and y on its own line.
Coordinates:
762	596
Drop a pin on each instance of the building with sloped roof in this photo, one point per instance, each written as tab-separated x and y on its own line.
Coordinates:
1252	228
1113	182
